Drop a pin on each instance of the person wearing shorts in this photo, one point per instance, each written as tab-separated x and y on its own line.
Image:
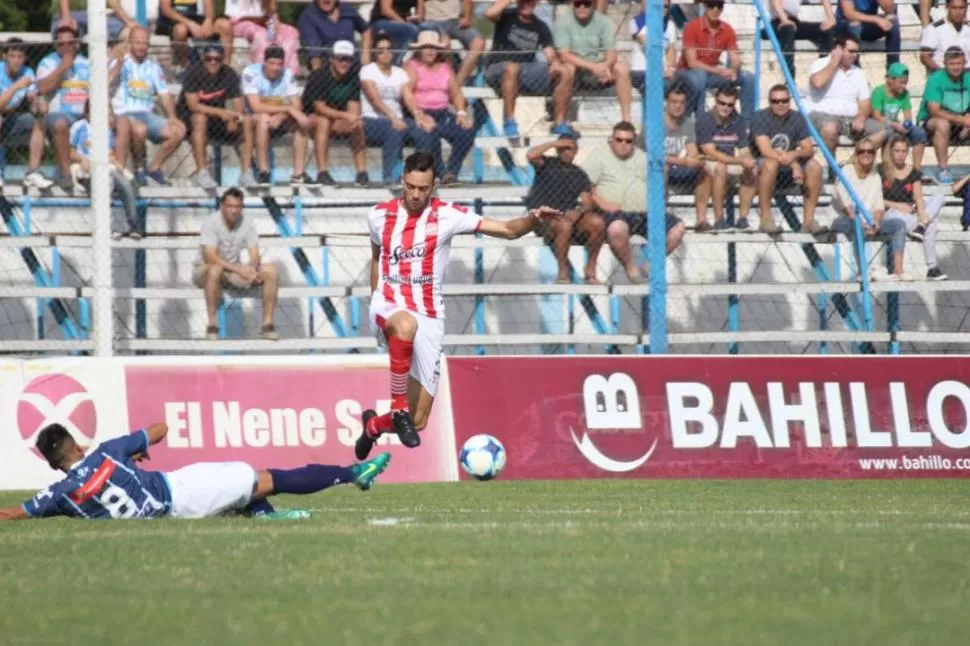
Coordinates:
225	234
18	101
449	19
108	482
410	244
686	171
181	20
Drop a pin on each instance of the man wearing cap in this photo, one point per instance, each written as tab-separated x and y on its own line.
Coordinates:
705	39
333	94
324	22
211	106
891	105
273	100
945	108
952	31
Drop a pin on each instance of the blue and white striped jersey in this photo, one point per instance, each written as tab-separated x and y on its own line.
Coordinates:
80	137
71	95
16	102
137	86
277	92
106	484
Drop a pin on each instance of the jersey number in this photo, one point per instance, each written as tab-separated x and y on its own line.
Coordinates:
117	502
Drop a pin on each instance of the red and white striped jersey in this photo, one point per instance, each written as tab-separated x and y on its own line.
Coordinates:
415	250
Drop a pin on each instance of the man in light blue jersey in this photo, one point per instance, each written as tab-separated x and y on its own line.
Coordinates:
136	82
108	484
273	98
63	77
18	102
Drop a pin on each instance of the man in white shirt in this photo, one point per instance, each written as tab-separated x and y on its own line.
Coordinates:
837	100
953	31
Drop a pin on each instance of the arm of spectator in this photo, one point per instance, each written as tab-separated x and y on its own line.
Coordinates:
121	14
421	118
784	20
821	79
323	109
854	15
576	61
693	159
937	112
257	106
828	22
924	12
763	144
805	150
537	154
210	255
693	63
603	204
255	259
165	9
374	96
960	184
458	101
467	13
366	42
711	152
586	202
194	105
65	14
494	10
21	83
419	12
387	10
168	106
50	82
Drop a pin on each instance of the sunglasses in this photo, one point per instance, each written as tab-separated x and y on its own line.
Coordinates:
780	101
727	104
622	141
213	59
852	51
866	151
714	4
343	59
582	3
382	50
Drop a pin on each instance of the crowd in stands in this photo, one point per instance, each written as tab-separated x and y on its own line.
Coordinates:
394	79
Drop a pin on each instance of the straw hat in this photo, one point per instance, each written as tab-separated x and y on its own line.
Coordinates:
428	38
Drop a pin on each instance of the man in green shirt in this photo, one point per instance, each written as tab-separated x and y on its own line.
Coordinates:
945	107
891	104
587	48
75	14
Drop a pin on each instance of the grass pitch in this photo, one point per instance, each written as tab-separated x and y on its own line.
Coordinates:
605	562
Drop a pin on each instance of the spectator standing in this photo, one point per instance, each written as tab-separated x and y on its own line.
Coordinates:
212	107
587	44
684	166
399	19
62	86
705	40
638	62
945	110
273	100
617	172
786	150
225	234
725	139
138	81
513	67
324	22
863	178
382	84
788	27
181	20
564	186
432	88
861	19
18	103
258	21
453	20
952	31
891	105
902	191
837	100
332	94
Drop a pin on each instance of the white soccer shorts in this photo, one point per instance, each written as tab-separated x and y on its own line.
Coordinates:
428	342
207	489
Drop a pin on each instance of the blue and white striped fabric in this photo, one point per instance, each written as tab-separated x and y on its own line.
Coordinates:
17	100
80	137
72	94
277	92
138	84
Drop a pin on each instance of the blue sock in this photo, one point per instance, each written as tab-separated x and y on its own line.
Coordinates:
261	506
309	479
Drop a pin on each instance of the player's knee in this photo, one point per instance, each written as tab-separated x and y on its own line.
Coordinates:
402	325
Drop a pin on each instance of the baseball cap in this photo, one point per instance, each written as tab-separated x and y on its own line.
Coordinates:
274	51
343	48
897	70
211	46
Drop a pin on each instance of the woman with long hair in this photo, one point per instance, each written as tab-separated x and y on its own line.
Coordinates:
902	191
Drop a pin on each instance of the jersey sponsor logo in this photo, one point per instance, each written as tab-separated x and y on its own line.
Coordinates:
400	254
408	280
610	403
211	96
93	486
56	399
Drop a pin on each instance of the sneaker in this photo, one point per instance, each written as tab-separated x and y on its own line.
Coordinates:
561	129
212	333
702	227
449	179
742	224
918	233
362	179
366	472
262	178
247	179
205	181
34	179
944	177
65	183
300	180
324	177
722	226
285	514
141	178
510	128
404	427
770	228
78	176
128	174
269	333
365	442
936	275
815	229
157	178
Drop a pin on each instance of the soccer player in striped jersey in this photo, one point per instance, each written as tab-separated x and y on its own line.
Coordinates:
411	241
107	483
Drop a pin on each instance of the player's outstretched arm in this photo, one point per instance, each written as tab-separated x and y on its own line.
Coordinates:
512	229
13	513
156	433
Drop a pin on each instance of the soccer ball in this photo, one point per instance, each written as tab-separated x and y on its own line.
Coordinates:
482	457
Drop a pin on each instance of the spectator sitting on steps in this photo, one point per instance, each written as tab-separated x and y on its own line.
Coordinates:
685	169
225	234
945	107
891	104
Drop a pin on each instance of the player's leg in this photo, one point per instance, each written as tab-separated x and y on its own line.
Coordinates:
312	478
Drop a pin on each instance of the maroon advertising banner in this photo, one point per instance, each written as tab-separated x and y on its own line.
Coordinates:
718	417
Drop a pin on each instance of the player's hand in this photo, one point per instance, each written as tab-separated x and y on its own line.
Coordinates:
545	213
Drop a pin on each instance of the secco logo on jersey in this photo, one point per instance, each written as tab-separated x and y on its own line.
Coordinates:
611	403
400	254
56	399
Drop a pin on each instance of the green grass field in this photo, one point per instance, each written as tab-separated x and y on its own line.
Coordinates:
606	562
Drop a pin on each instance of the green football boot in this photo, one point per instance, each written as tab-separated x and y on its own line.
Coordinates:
366	472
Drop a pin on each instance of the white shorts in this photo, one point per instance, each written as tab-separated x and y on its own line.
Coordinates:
428	342
208	489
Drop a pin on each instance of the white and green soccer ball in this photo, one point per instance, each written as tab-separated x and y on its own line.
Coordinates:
482	457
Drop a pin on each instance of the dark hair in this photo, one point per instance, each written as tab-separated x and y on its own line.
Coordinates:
274	51
15	45
625	126
383	35
949	2
53	443
232	192
65	29
420	161
953	52
728	91
677	88
842	39
779	87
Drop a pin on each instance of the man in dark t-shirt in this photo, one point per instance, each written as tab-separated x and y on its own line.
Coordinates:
512	66
563	185
785	153
332	93
212	107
